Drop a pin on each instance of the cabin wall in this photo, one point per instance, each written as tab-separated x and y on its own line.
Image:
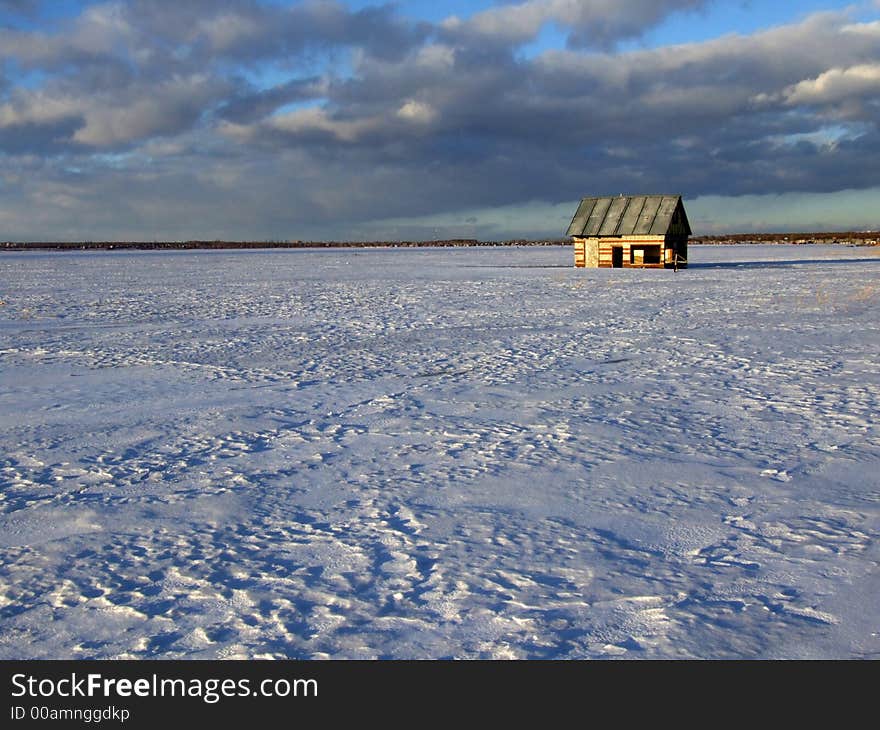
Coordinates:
678	226
676	244
636	251
586	253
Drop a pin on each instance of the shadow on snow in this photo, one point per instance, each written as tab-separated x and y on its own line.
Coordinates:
776	264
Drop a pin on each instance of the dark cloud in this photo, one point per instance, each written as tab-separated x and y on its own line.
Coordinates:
706	110
604	24
249	104
589	23
200	31
156	38
45	138
65	116
157	109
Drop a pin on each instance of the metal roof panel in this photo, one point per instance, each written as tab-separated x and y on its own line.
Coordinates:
663	219
612	216
597	217
646	217
576	228
631	216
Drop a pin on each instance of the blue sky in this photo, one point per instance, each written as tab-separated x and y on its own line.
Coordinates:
324	119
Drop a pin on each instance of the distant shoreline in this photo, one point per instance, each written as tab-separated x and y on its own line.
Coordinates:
853	238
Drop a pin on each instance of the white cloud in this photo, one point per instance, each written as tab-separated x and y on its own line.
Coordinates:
866	29
36	108
417	111
108	119
836	85
314	119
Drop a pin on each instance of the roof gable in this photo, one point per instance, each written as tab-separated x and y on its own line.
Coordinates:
628	215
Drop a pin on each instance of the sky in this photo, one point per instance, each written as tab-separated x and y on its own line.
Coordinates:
333	120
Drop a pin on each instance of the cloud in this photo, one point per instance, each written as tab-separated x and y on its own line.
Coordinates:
101	119
161	109
837	85
417	112
316	123
249	104
37	122
248	30
192	33
589	23
266	120
35	109
94	35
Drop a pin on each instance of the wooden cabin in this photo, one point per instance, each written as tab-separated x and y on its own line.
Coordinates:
644	231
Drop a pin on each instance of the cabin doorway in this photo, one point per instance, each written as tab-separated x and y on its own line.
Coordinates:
617	257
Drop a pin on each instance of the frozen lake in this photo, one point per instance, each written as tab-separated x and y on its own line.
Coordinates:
418	453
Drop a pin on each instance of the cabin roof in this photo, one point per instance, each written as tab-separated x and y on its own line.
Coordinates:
626	215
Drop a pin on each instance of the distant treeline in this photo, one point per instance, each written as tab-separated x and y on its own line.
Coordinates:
861	238
163	245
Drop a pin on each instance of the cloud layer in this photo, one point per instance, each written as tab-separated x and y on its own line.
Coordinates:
244	119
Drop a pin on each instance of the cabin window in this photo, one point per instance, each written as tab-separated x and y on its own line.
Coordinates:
640	255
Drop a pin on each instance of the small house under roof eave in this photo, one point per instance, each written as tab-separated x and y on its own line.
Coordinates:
644	231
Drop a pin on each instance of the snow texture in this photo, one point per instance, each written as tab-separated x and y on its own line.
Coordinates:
425	453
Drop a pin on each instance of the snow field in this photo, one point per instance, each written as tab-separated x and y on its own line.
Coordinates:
475	453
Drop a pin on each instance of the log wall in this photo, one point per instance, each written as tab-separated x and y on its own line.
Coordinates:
635	252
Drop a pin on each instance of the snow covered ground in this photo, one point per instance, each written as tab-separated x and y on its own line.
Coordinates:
439	453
